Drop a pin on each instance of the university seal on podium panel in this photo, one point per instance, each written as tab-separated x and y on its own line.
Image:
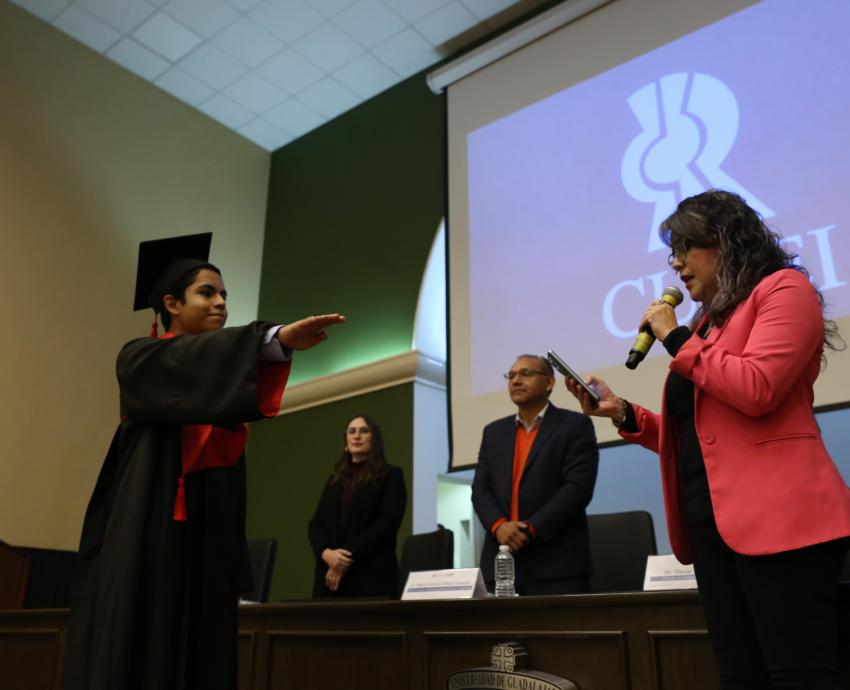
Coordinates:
508	670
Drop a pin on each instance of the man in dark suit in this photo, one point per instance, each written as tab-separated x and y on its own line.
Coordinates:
535	476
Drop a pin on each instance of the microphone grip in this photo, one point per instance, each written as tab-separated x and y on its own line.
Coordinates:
673	297
641	346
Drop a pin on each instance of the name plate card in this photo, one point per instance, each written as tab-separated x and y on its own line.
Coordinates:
665	572
458	583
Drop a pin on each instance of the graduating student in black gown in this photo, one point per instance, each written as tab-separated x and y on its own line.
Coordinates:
163	556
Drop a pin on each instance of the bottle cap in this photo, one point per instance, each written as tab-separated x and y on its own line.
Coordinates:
503	548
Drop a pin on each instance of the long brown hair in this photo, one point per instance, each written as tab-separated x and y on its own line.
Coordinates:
748	251
375	465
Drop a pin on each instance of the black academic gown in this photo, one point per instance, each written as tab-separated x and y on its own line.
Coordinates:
154	605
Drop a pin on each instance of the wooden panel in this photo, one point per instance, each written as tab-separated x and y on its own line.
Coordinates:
246	652
592	660
683	659
332	660
30	659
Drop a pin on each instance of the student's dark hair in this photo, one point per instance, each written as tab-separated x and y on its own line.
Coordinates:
179	290
375	464
748	251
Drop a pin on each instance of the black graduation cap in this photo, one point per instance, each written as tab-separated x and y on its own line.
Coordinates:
162	263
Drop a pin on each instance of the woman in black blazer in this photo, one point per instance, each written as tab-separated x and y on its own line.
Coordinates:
353	531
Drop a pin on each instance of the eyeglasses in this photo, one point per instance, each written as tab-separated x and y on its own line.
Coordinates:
524	373
679	253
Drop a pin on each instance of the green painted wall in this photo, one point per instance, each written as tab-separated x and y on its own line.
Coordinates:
291	457
353	208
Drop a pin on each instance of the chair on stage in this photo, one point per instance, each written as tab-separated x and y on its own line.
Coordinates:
50	578
14	568
261	555
427	551
619	545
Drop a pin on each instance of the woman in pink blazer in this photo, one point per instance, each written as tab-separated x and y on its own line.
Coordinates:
753	499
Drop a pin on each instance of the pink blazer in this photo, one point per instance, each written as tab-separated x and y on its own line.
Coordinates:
773	485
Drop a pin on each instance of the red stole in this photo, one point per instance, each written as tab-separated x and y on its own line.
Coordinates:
204	446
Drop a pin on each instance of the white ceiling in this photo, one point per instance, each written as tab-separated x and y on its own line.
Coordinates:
273	70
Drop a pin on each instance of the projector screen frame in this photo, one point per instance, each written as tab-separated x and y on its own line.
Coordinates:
719	11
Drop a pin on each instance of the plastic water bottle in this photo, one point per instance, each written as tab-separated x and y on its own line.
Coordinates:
505	572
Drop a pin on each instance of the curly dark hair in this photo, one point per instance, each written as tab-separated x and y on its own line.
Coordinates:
748	252
375	465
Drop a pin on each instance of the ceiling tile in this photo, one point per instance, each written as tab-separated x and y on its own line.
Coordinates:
138	59
290	71
294	117
248	42
329	47
184	86
407	53
124	15
45	9
274	69
329	97
213	66
227	112
483	9
255	93
263	134
86	28
369	22
165	36
329	8
446	23
204	17
287	19
414	10
244	5
366	76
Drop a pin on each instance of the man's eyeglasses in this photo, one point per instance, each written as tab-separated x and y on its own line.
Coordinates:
524	373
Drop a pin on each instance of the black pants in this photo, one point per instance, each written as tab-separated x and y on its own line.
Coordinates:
772	620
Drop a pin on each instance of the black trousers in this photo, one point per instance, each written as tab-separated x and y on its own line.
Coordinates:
772	620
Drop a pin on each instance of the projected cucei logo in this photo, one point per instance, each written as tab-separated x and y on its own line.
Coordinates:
689	122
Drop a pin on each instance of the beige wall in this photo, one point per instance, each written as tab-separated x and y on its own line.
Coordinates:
93	160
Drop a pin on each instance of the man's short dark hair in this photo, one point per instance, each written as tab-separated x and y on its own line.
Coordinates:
544	363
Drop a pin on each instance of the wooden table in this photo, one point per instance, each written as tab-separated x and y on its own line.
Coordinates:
631	641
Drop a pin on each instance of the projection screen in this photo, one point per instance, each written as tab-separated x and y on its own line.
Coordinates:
565	155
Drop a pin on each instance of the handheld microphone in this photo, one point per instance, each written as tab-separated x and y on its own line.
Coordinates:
673	296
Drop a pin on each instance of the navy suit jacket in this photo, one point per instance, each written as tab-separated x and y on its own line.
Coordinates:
556	486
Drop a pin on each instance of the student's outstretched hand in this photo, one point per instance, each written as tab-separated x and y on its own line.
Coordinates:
309	332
